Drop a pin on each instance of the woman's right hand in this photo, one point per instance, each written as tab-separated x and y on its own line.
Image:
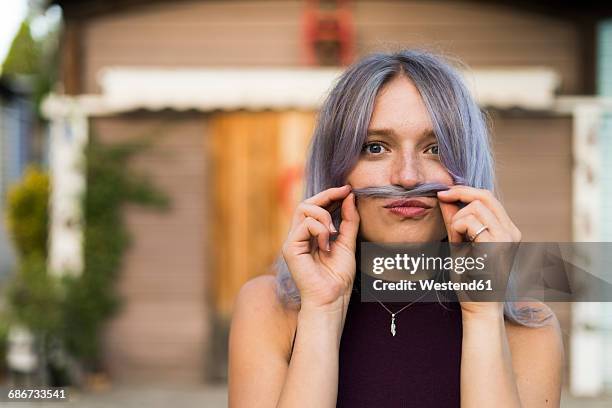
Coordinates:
323	271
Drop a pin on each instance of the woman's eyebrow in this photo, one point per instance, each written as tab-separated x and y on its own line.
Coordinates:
381	132
426	134
429	134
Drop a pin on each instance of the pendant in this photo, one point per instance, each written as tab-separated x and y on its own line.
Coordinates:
393	324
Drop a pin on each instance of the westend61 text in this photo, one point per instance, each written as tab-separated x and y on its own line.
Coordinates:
482	284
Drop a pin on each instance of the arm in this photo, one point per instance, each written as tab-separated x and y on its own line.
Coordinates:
501	365
260	373
487	378
505	365
314	365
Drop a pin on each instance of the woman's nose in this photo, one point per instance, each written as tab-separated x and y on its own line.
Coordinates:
405	172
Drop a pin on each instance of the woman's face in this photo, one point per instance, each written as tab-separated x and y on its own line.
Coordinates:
400	149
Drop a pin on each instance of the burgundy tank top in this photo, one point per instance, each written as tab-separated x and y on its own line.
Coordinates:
418	367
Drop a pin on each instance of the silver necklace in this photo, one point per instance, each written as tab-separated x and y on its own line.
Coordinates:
393	314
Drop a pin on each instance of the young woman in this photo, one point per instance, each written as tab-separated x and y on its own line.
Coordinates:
304	339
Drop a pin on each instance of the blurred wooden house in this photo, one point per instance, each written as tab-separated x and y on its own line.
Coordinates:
231	88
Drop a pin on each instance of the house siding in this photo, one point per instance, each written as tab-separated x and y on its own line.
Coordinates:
162	330
268	33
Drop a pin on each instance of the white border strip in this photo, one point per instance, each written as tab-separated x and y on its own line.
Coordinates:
127	89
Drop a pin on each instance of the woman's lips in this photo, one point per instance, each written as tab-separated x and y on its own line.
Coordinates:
408	207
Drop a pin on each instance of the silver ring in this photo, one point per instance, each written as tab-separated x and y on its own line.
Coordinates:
480	231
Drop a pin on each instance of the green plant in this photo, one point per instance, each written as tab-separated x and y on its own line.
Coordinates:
91	297
27	214
23	57
35	297
71	310
34	61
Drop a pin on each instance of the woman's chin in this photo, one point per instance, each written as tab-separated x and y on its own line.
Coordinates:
425	230
404	238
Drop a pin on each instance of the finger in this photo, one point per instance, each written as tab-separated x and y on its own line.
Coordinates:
482	213
349	226
467	194
326	197
308	229
320	232
469	226
448	211
310	210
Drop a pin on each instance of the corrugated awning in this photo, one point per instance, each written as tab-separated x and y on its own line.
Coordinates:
125	89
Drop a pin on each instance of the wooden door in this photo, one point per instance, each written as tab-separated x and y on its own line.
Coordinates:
257	161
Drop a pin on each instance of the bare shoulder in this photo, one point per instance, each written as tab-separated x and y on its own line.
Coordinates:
260	314
259	344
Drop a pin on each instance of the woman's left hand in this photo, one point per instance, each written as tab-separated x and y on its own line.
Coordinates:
466	224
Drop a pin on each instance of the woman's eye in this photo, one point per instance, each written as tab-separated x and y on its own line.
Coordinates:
433	149
374	148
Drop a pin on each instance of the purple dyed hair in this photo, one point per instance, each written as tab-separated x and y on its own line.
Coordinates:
458	123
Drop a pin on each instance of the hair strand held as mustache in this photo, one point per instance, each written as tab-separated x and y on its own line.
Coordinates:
421	190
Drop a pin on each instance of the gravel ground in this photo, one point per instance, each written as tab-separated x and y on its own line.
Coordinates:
207	397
